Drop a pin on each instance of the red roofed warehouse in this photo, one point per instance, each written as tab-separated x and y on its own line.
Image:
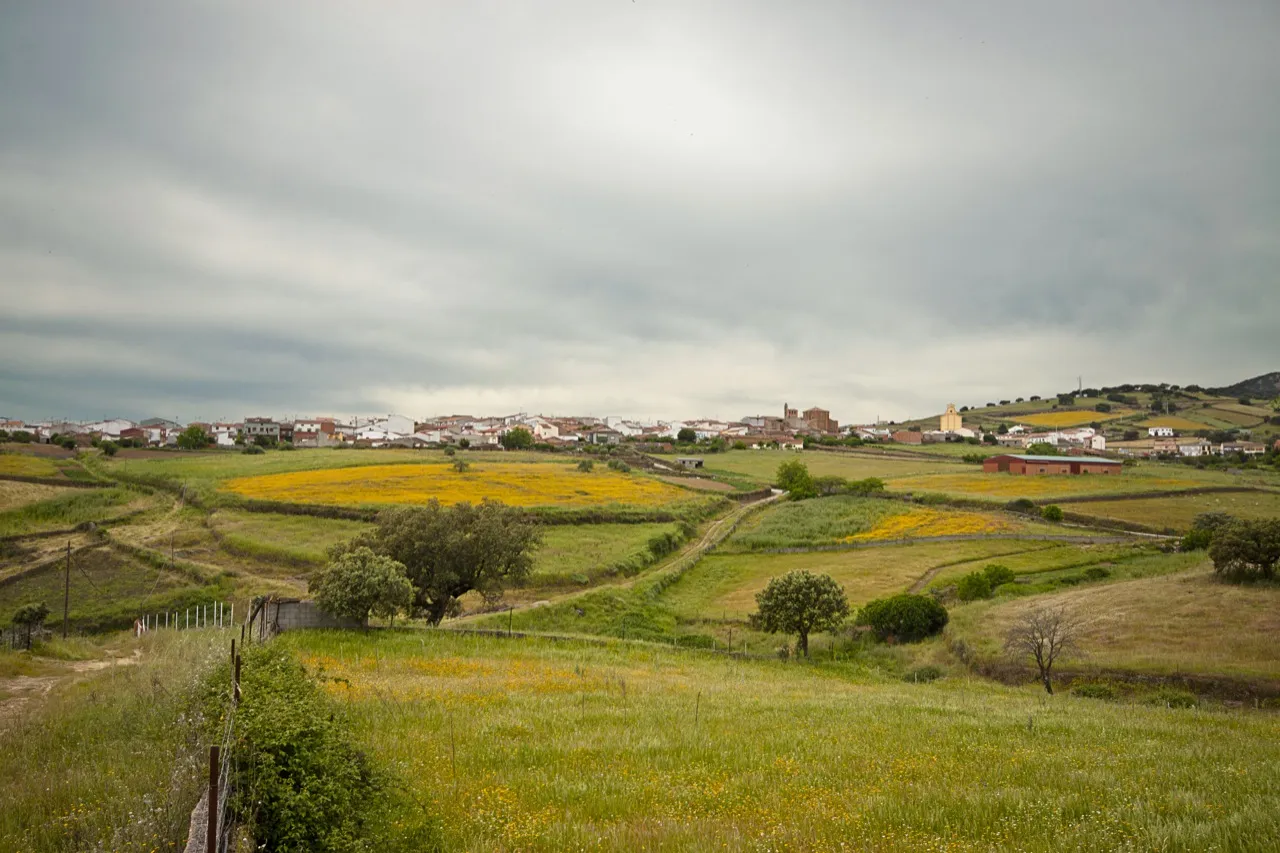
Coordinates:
1050	465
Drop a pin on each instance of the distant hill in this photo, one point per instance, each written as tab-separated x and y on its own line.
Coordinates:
1263	387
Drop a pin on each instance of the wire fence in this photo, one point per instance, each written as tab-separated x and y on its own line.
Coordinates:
212	822
214	614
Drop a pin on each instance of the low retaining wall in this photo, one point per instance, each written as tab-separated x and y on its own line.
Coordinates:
293	614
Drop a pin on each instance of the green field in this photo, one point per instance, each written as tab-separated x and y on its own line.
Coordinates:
544	746
1048	559
299	541
1177	513
579	554
68	509
833	520
760	466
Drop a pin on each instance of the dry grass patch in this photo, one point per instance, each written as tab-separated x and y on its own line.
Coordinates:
15	494
1009	486
1074	417
26	465
1178	512
1172	421
1188	622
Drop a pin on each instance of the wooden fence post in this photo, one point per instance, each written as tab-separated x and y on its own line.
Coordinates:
211	845
237	683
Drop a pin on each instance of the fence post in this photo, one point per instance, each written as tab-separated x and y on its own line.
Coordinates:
236	692
233	615
211	845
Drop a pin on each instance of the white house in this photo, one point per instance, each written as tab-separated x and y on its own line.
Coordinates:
1160	432
1199	447
1097	442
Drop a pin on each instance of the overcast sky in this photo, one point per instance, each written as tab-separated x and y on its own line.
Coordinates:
643	208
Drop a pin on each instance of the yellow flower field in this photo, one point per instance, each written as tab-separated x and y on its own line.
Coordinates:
1070	418
919	522
516	484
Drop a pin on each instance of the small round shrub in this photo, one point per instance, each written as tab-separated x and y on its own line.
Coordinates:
449	451
1097	573
997	575
252	450
923	674
973	586
586	465
1022	505
905	618
1052	513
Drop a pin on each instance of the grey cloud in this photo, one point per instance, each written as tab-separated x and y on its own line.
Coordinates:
635	208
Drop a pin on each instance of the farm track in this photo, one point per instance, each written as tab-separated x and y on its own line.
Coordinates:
715	533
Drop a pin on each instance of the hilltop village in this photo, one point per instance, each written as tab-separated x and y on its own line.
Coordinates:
1127	422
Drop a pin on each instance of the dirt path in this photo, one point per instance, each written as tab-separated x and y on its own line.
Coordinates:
17	693
713	535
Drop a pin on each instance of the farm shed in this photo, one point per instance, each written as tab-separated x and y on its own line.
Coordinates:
690	461
1010	464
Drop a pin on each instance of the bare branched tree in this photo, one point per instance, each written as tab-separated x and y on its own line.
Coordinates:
1047	634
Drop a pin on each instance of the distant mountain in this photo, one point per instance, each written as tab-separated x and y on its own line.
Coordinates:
1263	387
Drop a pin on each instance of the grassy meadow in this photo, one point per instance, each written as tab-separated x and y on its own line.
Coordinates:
299	541
555	746
67	509
726	584
110	758
761	466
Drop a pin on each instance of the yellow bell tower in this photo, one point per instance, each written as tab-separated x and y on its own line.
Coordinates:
950	420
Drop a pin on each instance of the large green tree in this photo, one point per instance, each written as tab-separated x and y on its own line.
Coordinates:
517	439
1246	550
450	551
192	438
794	478
800	603
359	582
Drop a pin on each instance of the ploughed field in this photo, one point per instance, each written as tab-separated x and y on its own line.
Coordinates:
516	484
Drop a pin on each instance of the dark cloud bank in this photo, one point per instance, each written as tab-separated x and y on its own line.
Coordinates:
648	208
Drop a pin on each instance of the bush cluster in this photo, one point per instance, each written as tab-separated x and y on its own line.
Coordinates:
983	584
904	618
300	783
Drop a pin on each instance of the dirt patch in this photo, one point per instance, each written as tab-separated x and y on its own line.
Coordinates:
17	693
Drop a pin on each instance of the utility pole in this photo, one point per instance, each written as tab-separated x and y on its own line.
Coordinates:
66	592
